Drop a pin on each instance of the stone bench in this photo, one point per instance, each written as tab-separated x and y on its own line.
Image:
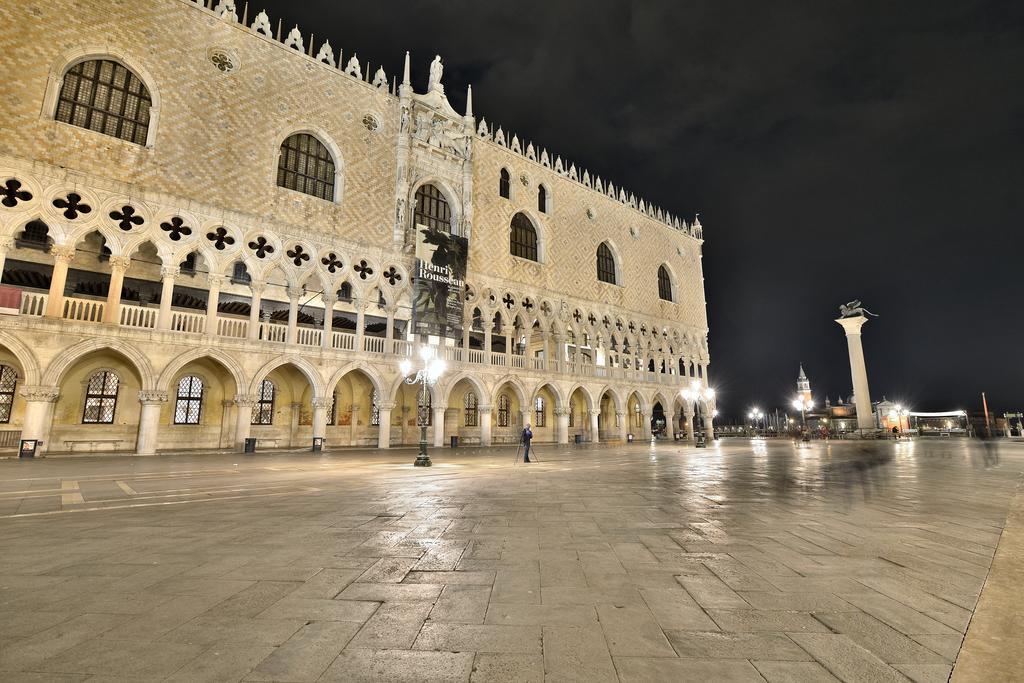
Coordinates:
91	445
267	443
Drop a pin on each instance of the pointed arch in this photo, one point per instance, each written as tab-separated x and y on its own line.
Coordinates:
609	264
616	398
362	366
587	396
560	400
301	364
517	386
24	355
478	386
220	357
59	366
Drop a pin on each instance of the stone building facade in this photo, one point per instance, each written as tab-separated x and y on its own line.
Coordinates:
207	229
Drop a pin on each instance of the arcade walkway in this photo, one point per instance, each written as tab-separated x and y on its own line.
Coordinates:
742	562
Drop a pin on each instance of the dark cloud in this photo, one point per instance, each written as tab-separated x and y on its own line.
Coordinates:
851	149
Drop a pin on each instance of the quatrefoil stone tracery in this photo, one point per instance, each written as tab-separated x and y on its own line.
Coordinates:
220	238
332	262
261	246
176	228
72	205
297	254
392	275
363	269
12	193
127	218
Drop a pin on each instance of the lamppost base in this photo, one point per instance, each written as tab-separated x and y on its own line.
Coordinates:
422	460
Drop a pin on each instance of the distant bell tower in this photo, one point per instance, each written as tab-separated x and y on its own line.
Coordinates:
803	386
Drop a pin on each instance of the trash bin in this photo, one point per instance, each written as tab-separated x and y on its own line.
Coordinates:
250	445
579	438
629	438
455	441
28	448
318	444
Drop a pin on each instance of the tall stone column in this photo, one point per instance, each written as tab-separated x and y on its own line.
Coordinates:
688	416
243	418
595	426
384	424
112	309
294	294
645	424
149	421
62	258
254	309
353	425
438	422
212	300
5	246
327	338
293	423
858	370
168	275
620	417
227	428
39	403
320	407
562	425
525	418
360	305
484	411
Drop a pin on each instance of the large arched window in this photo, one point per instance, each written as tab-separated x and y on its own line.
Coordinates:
505	184
605	264
503	410
8	382
189	402
101	398
104	96
539	412
522	239
263	409
432	209
664	284
542	199
306	165
469	405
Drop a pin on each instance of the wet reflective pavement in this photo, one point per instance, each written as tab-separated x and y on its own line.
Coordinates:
745	561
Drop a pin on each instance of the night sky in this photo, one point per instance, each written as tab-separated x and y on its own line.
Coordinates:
835	150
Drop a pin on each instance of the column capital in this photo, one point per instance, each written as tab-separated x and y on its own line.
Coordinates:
149	397
560	411
328	299
294	293
594	413
244	400
40	394
484	409
620	413
62	253
257	286
852	325
169	272
120	262
322	402
6	243
385	405
216	280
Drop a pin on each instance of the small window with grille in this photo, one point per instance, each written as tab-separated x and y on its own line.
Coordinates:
104	96
375	410
8	383
664	284
605	264
263	409
432	209
539	412
523	238
101	398
469	404
188	404
503	410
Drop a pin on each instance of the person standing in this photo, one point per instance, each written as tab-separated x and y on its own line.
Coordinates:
525	440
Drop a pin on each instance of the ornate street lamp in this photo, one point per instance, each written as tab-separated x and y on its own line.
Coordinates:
756	414
803	405
426	376
695	393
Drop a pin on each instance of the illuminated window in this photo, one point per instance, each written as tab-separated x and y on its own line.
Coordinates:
523	238
263	409
101	398
8	382
189	401
306	165
432	209
605	264
503	410
104	96
470	406
539	414
375	410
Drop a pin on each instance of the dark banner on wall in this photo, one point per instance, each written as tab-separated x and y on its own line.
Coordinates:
439	283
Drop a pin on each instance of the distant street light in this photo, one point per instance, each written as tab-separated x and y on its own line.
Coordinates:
426	376
803	405
756	415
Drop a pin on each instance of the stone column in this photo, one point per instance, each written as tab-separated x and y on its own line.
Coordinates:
5	246
327	336
360	305
243	418
389	330
320	407
112	309
224	441
620	416
484	411
149	421
212	300
562	425
595	428
645	420
384	428
294	294
353	425
688	416
438	422
39	403
168	274
709	424
858	370
254	309
62	257
293	423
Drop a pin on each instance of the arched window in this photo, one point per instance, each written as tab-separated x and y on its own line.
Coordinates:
664	284
503	410
240	274
638	417
539	414
101	398
505	184
8	382
104	96
432	209
263	409
306	165
469	404
542	199
605	264
332	412
189	403
375	410
522	240
572	417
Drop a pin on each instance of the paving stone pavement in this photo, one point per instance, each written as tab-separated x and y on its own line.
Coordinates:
747	561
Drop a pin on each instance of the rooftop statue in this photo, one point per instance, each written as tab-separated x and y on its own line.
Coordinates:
853	309
436	69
